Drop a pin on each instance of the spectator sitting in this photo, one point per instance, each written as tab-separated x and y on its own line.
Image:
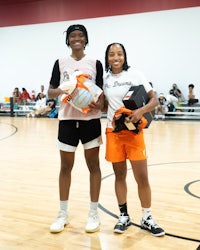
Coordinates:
33	98
24	97
16	96
191	97
53	111
162	107
42	89
176	92
42	107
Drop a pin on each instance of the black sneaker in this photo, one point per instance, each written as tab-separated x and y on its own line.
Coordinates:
122	224
150	225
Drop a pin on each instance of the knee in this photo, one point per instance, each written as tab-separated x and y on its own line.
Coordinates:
65	169
93	164
120	176
142	179
143	182
94	169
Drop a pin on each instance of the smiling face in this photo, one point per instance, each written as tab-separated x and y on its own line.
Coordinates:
77	40
116	58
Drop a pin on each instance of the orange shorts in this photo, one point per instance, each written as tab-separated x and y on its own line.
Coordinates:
124	145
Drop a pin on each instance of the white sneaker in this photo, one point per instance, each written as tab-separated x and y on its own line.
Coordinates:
150	225
93	223
60	222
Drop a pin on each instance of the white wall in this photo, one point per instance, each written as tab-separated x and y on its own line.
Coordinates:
165	45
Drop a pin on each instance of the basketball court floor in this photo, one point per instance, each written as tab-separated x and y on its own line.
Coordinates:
29	203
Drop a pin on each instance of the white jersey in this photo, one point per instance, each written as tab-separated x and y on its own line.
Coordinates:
68	66
116	87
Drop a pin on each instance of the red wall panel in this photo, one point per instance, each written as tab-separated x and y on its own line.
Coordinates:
21	12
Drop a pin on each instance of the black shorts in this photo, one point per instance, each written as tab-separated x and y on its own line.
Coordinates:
71	131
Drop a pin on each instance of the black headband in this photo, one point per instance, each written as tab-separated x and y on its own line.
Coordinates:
76	27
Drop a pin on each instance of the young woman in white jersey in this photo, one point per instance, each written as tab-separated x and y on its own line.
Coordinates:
75	126
126	144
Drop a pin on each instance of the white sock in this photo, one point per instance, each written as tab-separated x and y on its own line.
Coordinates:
146	213
93	206
64	205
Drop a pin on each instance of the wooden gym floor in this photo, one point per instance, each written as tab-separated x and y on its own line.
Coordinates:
29	199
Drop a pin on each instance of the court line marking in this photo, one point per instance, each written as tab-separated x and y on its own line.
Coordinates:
134	224
11	125
186	188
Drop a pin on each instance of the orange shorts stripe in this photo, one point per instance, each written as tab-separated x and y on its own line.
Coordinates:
124	145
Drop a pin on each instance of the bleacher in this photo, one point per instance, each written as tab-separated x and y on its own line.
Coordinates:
8	109
181	113
184	112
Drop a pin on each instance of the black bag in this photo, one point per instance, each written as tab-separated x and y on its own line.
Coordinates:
170	107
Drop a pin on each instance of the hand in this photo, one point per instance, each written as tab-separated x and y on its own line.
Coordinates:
94	105
98	104
135	116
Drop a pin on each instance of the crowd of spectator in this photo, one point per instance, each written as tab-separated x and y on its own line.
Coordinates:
42	106
173	100
23	97
170	102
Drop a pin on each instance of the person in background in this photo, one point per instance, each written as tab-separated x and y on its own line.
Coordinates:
74	126
51	110
175	91
42	89
191	97
162	107
50	107
24	97
33	98
42	107
127	144
16	96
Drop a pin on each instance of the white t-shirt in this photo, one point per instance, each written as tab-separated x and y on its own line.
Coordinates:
172	99
116	87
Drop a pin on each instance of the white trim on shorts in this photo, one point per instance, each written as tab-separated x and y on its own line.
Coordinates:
88	145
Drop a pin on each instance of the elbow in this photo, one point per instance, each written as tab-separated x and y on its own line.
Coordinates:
51	93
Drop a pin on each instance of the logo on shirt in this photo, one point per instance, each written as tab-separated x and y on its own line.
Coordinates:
65	76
